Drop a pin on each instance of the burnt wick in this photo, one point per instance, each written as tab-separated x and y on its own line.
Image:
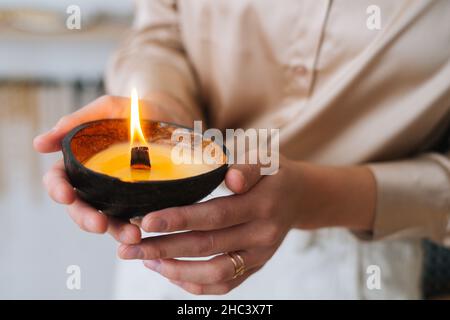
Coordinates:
140	158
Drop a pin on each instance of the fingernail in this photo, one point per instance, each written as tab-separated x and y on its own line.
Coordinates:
240	181
136	221
154	265
156	225
133	252
123	237
91	224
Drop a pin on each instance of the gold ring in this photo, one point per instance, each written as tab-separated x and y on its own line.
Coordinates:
238	263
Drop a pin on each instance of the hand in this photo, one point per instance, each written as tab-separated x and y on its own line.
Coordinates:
252	222
56	181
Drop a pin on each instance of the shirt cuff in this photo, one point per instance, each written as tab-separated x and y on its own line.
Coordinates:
413	199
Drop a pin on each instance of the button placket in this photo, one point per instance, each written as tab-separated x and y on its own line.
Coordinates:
305	47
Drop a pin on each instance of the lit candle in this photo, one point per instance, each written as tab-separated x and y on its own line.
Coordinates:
98	157
117	160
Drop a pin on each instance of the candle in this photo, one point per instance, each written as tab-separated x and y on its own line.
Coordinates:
115	161
140	160
126	168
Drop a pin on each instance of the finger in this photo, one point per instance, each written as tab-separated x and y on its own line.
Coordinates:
48	142
215	270
123	231
214	214
58	185
91	220
192	244
87	218
240	178
215	289
102	108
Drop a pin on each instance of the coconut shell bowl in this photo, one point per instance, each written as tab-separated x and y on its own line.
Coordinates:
125	199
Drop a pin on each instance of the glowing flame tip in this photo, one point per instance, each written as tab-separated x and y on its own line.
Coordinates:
136	134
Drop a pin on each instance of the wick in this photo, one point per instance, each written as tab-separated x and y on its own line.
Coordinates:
140	158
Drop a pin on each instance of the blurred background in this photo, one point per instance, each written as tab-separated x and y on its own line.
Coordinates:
46	71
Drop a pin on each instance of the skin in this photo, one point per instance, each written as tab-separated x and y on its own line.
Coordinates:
254	221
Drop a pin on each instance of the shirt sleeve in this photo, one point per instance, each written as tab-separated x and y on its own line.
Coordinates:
153	60
413	198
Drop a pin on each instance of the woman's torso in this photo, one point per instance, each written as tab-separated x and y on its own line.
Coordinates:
340	92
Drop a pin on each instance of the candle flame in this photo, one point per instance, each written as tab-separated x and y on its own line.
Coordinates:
136	135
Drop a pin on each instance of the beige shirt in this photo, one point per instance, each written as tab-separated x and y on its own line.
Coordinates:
339	92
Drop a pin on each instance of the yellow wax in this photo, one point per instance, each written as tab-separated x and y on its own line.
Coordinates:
115	161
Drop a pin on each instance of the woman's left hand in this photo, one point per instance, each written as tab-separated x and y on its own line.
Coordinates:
253	222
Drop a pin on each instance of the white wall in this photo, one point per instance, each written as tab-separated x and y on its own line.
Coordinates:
42	47
37	238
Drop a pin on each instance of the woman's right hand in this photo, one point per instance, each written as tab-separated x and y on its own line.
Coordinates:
56	181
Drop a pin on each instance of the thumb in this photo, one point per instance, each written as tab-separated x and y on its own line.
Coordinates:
103	107
240	178
49	141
